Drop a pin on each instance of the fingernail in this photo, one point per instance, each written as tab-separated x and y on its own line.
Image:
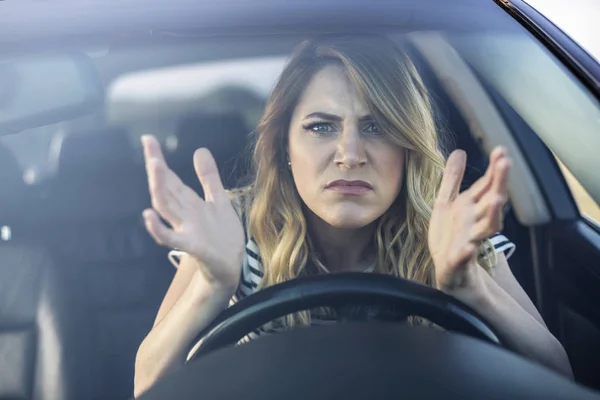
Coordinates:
145	138
504	163
146	214
460	154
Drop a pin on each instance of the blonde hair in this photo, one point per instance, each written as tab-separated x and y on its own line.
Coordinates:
400	103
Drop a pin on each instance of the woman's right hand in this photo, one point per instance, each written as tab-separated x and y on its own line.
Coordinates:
208	230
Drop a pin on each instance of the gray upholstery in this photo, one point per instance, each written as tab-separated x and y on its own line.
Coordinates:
94	209
39	343
81	280
225	135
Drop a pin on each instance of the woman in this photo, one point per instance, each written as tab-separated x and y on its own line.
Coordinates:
348	177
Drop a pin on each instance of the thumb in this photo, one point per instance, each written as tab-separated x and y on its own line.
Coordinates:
208	174
453	176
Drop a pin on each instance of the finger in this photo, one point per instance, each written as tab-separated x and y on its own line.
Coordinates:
453	175
163	200
208	174
161	234
151	148
489	225
497	153
153	159
482	185
497	194
500	176
494	200
169	182
489	205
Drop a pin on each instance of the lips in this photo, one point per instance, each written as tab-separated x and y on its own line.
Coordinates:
354	188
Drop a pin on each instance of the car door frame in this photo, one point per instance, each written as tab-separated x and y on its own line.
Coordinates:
565	252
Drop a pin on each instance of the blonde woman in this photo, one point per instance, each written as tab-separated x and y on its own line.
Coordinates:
348	177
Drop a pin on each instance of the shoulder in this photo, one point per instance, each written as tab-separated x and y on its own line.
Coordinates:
252	268
241	198
252	271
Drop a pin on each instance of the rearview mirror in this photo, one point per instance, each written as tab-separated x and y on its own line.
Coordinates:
45	89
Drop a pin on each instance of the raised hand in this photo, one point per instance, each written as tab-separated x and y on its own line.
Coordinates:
461	221
208	230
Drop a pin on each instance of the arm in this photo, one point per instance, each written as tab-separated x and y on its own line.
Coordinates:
460	221
186	269
191	303
514	315
210	231
504	277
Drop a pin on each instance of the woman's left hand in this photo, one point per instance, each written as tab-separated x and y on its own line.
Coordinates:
461	221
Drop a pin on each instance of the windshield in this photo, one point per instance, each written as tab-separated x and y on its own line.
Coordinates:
79	187
152	88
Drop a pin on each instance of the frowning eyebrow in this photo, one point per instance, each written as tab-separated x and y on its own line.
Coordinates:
333	117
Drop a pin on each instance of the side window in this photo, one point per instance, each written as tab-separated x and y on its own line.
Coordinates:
564	114
587	205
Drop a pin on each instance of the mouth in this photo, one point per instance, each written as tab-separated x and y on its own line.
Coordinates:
353	188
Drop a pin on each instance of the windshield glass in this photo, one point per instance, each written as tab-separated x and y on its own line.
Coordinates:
153	88
79	188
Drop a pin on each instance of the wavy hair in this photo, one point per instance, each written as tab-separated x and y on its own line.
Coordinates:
399	101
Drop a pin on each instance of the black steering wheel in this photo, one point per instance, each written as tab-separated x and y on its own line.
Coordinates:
382	292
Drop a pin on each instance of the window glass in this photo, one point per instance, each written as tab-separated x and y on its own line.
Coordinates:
587	205
552	102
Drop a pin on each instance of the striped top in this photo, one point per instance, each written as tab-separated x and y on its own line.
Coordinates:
253	272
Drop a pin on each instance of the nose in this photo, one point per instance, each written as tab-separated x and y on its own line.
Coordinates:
350	151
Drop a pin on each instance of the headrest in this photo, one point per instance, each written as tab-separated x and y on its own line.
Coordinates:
99	152
225	135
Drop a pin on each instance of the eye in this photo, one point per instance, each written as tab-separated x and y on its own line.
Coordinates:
372	128
319	128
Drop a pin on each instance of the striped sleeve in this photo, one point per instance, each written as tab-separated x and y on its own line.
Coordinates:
252	270
251	274
175	257
501	244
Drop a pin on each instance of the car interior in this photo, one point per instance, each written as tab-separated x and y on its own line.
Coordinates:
81	280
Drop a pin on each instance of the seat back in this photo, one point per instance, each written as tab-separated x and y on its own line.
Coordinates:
39	333
92	222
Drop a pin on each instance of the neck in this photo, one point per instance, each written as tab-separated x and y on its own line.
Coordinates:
343	249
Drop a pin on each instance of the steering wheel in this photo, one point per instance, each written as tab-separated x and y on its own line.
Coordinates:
405	297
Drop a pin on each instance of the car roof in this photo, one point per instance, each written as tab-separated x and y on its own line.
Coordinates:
28	20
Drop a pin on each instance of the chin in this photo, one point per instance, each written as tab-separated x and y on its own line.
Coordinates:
350	219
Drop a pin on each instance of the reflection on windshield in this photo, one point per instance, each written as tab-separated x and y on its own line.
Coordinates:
156	100
553	102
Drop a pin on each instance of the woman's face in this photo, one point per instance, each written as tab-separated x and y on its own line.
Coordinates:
345	171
